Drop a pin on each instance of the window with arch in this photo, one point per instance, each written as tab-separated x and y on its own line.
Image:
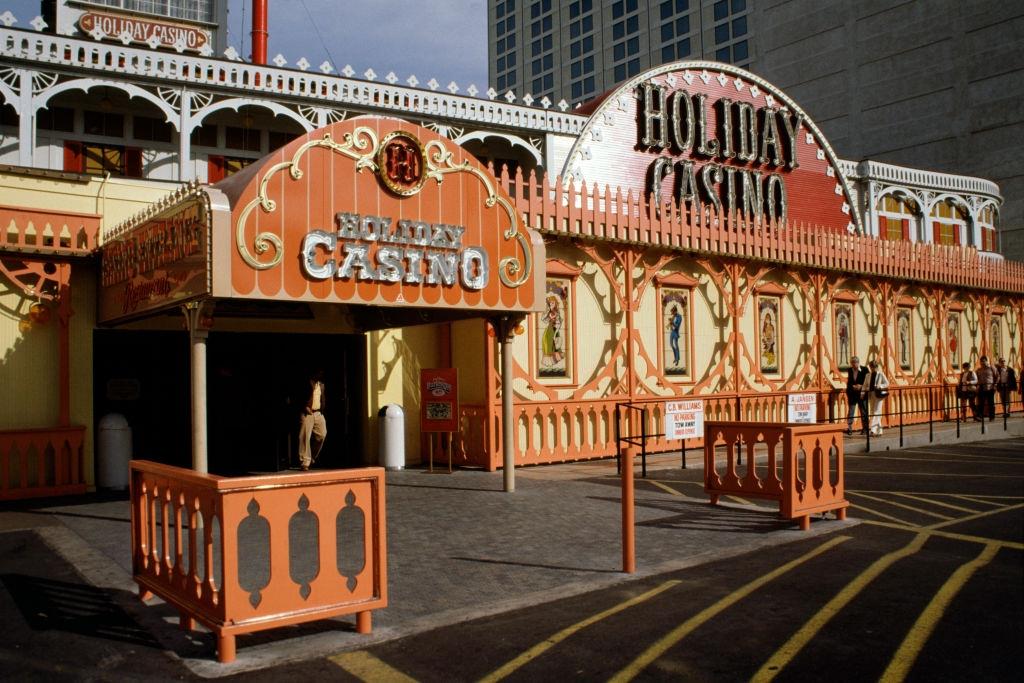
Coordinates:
987	223
949	223
895	214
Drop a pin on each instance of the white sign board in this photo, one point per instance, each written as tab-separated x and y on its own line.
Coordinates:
803	408
684	419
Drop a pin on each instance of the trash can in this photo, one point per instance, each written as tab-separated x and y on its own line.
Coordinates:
391	430
113	451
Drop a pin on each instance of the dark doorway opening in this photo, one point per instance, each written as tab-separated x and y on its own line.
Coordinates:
254	386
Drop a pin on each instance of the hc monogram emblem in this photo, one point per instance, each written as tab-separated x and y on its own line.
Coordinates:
400	163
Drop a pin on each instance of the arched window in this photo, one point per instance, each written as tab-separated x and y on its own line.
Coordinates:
949	223
895	213
987	223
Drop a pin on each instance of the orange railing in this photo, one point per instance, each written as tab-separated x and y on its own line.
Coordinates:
251	553
41	462
40	231
800	466
608	213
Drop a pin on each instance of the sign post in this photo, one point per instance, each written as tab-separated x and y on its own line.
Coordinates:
439	407
684	420
802	408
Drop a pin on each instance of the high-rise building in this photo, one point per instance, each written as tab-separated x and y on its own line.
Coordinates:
577	49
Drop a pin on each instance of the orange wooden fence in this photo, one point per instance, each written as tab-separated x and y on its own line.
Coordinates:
252	553
39	231
41	462
608	213
800	466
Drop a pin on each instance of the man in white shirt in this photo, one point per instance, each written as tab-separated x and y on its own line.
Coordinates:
313	426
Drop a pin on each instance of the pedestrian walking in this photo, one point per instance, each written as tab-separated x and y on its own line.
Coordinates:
1006	384
966	392
856	377
986	390
877	392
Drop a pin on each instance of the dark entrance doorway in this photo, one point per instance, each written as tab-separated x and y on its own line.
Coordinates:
254	385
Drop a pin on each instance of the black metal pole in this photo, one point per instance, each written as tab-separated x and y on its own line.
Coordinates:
901	419
931	431
684	453
618	441
643	442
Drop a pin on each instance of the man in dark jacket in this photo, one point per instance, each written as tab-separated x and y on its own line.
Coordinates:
1006	384
855	396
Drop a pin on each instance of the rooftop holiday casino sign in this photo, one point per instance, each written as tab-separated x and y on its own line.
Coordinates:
708	134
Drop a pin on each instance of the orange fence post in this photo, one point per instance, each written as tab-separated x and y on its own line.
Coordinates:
628	526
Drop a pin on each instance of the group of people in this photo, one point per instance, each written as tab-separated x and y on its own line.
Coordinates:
977	388
866	390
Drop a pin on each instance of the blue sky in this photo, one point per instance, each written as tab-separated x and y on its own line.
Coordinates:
442	39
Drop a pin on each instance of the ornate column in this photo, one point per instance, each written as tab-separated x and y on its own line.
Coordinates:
505	327
198	323
185	169
26	119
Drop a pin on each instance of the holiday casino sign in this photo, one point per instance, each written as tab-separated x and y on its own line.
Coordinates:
711	135
376	211
137	30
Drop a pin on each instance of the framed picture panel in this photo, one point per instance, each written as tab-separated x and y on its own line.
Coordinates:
904	339
844	343
769	334
953	338
554	333
995	338
675	331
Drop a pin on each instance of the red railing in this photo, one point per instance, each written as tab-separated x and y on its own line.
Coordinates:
41	462
252	553
607	213
799	466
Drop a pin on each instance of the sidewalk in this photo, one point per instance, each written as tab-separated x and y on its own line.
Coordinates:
459	548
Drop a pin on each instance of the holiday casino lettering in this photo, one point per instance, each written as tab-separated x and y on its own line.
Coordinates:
741	150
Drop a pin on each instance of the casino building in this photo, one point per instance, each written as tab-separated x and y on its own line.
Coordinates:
186	237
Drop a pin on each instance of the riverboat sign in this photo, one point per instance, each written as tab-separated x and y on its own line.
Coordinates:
712	136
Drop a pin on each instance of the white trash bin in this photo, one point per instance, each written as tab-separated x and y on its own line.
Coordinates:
113	451
391	430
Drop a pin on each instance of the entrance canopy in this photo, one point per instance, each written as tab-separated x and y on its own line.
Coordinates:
372	212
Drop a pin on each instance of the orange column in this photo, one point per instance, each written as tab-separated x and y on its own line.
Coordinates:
64	313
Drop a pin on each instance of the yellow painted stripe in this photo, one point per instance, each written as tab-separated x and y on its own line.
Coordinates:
366	667
634	668
978	515
542	647
883	515
664	487
983	460
969	456
984	540
792	647
904	506
903	661
959	508
960	475
741	501
979	499
938	493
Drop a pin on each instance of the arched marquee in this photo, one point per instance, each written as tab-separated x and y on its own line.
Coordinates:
718	136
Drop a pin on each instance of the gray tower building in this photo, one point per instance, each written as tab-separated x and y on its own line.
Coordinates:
576	49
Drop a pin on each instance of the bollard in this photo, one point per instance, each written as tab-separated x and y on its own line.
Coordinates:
628	537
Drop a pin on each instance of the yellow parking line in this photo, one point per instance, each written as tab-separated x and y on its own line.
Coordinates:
960	475
937	493
921	631
741	501
984	540
540	648
882	514
634	668
936	502
366	667
978	499
904	506
979	515
792	647
665	487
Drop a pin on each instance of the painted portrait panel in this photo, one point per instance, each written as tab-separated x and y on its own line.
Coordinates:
904	345
844	335
995	338
675	324
554	343
953	338
768	334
